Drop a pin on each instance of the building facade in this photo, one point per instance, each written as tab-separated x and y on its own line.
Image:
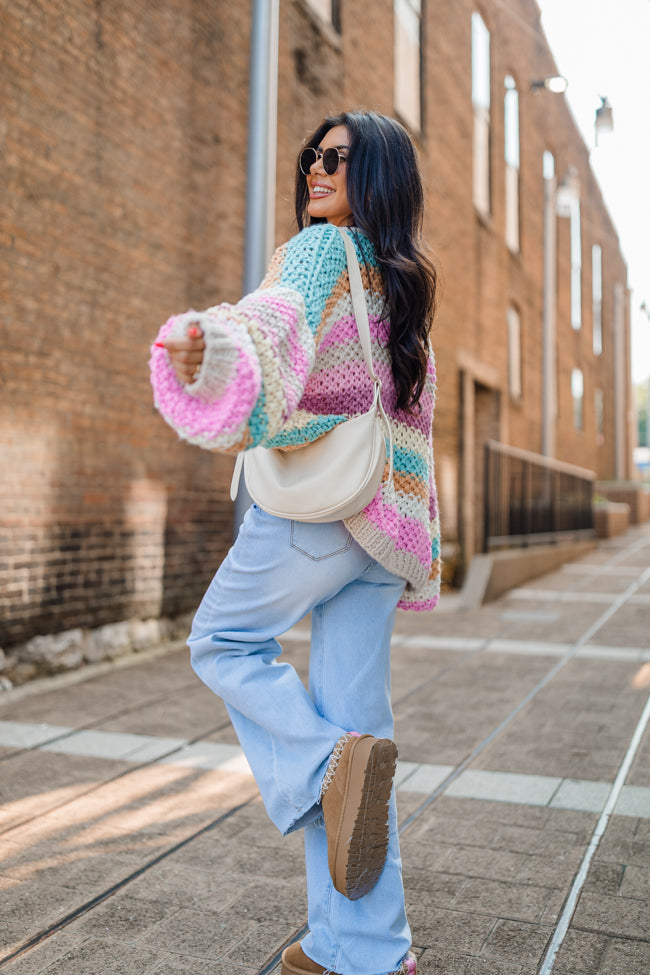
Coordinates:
123	150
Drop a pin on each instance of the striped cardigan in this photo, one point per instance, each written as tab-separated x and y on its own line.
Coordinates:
284	365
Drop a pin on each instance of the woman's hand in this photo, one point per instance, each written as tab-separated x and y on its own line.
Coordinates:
186	355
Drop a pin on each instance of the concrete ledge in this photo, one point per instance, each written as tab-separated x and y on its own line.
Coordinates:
611	518
491	575
633	493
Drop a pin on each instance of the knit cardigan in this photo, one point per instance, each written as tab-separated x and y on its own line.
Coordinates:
284	365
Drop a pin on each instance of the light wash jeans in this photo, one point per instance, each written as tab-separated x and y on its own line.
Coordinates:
276	573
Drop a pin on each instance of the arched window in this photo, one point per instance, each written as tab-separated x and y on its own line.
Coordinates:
408	100
577	394
514	351
327	10
576	265
599	403
511	128
548	165
481	106
597	297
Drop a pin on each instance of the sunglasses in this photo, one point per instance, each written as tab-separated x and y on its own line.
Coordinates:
331	157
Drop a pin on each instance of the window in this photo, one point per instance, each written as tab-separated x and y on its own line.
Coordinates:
577	392
408	101
327	10
514	352
597	297
548	165
621	373
599	403
576	265
481	106
511	125
549	309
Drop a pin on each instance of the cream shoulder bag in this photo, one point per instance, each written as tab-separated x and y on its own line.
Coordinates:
337	475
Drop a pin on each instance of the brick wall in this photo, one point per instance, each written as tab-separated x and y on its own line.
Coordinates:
122	158
481	277
123	201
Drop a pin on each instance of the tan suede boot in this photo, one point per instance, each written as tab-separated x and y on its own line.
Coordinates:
296	962
355	800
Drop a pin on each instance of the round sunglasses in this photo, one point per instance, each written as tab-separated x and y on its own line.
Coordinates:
331	157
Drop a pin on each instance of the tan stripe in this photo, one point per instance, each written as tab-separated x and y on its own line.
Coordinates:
274	271
371	282
339	290
408	484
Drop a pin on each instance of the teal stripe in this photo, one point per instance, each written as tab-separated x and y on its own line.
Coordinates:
408	462
313	263
435	549
305	434
259	421
365	250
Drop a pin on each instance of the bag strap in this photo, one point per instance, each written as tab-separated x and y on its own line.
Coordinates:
363	327
358	301
236	475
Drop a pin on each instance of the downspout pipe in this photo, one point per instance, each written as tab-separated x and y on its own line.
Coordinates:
260	164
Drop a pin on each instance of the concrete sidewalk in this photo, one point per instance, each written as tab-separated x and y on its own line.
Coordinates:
132	838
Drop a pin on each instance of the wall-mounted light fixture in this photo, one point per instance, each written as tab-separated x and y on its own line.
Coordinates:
604	118
555	83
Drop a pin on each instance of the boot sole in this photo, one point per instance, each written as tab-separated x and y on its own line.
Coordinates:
362	838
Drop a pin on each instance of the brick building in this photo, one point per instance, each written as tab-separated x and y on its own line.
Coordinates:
122	153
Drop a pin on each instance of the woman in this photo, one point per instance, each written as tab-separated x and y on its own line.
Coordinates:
280	368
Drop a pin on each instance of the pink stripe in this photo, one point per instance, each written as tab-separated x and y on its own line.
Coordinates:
339	390
421	607
414	538
385	517
350	371
345	330
409	534
433	503
196	417
346	388
299	359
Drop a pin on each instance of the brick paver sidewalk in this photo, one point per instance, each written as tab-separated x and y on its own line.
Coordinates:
132	838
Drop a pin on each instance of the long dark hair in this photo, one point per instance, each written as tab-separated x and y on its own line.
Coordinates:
384	189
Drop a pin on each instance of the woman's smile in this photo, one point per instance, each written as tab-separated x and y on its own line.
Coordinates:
320	189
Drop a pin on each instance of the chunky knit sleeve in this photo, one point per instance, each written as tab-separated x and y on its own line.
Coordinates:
259	352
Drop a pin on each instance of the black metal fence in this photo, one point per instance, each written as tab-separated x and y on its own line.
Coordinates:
529	499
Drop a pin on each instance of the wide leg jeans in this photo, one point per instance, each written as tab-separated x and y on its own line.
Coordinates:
276	573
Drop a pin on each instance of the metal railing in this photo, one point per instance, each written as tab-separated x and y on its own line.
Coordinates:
530	499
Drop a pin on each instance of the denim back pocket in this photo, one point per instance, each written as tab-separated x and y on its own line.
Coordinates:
319	540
